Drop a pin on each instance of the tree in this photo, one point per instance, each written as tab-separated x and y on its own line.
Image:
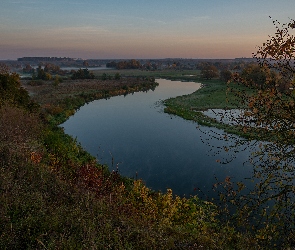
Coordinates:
225	75
51	68
57	81
132	64
11	91
42	74
82	74
268	209
85	64
260	76
111	64
209	72
28	69
4	68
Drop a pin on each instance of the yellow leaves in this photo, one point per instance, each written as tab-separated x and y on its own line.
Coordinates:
241	186
54	161
169	210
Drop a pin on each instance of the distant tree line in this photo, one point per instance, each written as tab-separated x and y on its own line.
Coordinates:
46	59
131	64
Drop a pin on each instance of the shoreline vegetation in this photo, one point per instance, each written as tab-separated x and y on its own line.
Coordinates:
212	95
61	101
55	195
216	94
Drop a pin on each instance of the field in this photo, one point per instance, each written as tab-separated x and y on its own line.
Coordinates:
185	75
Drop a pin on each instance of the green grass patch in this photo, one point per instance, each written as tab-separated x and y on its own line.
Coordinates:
172	74
214	94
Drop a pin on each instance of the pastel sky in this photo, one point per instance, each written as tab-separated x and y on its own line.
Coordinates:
125	29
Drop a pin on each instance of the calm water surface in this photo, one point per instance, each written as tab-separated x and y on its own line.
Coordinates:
165	151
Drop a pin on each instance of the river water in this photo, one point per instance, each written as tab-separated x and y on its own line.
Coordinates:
132	134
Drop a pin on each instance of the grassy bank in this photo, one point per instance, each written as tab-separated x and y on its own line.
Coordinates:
54	195
214	94
171	74
58	102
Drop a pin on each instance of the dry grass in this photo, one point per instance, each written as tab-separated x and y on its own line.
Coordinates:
19	133
47	93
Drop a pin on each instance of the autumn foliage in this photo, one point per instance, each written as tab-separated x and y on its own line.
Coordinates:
268	209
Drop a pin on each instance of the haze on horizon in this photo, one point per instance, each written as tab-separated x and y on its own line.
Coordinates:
138	28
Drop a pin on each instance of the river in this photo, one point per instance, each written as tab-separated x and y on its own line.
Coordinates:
132	134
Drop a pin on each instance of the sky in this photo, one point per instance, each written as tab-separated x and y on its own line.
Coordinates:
139	29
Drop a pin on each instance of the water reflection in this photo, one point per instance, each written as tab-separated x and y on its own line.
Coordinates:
144	142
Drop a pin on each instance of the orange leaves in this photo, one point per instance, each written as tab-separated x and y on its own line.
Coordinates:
251	104
227	179
93	177
54	162
255	111
90	176
36	157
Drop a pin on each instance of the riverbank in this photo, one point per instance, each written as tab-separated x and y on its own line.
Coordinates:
55	195
59	101
214	94
133	133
